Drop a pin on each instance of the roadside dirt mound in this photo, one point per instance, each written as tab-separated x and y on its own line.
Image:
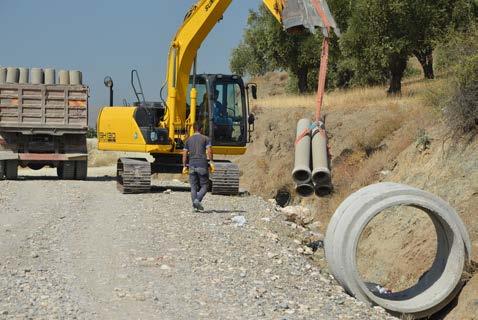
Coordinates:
375	138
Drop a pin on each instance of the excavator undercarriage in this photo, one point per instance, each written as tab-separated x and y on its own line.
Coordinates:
134	176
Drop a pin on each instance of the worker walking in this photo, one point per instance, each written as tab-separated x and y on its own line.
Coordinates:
197	159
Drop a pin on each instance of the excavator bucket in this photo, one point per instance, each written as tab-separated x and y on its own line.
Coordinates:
298	15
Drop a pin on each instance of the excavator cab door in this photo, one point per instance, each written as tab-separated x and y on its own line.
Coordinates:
228	112
222	108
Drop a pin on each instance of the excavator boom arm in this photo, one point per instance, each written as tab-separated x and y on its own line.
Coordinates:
198	23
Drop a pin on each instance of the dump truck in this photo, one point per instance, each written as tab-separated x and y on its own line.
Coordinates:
42	123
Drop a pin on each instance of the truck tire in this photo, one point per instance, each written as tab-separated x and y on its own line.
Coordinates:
66	170
11	170
81	170
2	170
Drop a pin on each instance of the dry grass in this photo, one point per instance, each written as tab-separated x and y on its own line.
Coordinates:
414	93
368	131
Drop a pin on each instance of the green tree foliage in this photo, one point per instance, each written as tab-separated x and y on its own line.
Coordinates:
379	38
266	47
91	133
383	34
458	52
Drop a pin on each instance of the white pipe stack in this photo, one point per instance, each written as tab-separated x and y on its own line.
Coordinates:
36	76
49	76
12	75
311	152
75	77
63	77
23	77
3	75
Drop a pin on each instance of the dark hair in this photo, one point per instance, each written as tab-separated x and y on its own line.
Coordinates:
197	126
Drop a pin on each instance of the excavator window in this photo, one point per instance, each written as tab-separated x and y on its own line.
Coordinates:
228	113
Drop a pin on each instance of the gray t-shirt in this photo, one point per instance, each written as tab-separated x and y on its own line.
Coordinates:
196	146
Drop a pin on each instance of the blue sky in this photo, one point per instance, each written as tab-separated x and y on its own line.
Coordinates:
107	37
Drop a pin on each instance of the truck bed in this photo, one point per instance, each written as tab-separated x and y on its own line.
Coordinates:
43	109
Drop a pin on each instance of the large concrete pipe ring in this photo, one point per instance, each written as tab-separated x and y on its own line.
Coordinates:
64	77
3	75
24	75
437	287
302	173
49	76
36	76
75	77
12	75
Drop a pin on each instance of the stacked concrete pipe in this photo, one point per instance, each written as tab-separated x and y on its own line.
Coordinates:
321	176
311	169
49	76
437	287
302	174
76	77
64	77
13	75
3	75
24	75
36	76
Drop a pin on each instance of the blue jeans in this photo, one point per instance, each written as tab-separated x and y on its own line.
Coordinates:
199	180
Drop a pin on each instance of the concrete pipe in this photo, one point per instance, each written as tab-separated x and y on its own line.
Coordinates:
64	77
24	75
13	75
437	287
323	190
320	163
49	76
302	173
305	189
75	77
36	76
3	75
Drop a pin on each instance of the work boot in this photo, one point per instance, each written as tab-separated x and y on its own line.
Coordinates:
197	204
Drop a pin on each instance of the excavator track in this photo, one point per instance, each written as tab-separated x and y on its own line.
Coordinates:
225	179
133	175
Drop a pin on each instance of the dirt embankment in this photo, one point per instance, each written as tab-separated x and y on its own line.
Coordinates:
374	138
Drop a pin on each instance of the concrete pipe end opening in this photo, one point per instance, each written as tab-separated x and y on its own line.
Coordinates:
301	175
437	286
323	190
305	190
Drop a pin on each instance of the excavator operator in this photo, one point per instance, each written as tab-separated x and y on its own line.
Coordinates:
222	121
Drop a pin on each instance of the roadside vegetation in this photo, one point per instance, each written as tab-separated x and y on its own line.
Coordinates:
378	38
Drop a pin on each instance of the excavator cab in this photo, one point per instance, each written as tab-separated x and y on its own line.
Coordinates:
223	108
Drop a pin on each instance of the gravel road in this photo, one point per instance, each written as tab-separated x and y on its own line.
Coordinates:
81	250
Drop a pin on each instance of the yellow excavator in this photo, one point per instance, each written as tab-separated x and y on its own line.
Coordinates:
161	128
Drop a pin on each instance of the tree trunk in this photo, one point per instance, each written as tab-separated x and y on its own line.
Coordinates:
302	79
425	57
398	64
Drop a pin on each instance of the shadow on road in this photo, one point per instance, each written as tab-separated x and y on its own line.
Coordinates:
53	178
161	189
223	211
